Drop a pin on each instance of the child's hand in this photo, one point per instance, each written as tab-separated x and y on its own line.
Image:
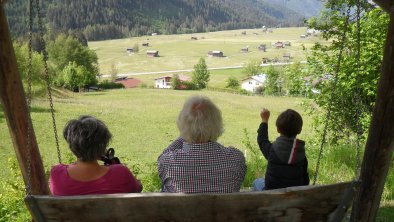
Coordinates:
265	115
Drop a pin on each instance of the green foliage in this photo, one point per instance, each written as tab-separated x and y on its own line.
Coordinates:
22	58
274	82
232	83
110	85
75	77
200	74
68	50
254	161
253	68
355	92
175	82
293	80
12	207
114	72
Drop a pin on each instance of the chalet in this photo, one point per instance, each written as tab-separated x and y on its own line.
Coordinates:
279	45
152	53
165	82
262	47
153	34
287	56
146	44
194	38
128	82
246	49
215	54
129	50
243	33
303	36
287	43
253	82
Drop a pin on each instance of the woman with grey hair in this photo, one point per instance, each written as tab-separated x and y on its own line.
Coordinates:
195	162
88	139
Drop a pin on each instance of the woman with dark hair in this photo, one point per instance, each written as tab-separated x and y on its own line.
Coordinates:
88	139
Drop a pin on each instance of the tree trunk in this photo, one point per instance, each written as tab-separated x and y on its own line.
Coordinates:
16	113
380	143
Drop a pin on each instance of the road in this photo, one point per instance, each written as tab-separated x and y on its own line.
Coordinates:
190	70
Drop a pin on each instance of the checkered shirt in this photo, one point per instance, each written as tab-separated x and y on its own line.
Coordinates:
201	168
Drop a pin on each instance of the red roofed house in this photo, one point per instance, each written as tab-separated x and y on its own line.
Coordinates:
128	82
164	82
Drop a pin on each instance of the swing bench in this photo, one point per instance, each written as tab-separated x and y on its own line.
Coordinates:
304	203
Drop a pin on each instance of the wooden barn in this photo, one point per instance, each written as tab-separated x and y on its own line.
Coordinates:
245	49
279	45
215	53
262	47
152	53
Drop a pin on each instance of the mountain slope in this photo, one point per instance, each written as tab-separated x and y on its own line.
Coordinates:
306	8
106	19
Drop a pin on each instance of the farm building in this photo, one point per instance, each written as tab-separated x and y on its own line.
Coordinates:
146	44
303	36
262	47
165	82
194	38
152	53
287	43
287	56
215	54
279	45
129	50
246	49
128	82
265	60
253	82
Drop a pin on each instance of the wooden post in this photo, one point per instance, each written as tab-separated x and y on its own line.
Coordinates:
380	142
14	103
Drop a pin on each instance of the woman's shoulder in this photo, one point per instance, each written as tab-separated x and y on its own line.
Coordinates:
59	168
119	168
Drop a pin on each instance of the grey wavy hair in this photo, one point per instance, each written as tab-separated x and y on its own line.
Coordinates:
87	137
200	120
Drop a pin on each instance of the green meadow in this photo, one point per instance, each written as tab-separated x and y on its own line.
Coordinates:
178	52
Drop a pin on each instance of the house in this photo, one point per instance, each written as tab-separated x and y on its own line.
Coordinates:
129	50
243	33
128	82
153	34
287	43
253	82
215	54
194	38
152	53
165	82
303	36
146	44
262	47
279	45
246	49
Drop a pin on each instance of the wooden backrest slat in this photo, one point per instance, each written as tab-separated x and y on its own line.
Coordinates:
308	203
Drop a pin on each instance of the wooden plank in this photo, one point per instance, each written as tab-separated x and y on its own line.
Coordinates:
16	112
380	143
384	4
310	203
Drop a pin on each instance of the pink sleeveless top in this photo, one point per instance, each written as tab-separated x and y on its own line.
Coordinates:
118	179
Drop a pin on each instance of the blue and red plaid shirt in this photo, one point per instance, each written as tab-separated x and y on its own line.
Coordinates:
201	168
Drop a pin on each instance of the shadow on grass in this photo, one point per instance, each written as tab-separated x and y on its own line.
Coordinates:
385	214
39	110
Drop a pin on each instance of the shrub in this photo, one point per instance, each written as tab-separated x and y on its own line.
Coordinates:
110	85
232	83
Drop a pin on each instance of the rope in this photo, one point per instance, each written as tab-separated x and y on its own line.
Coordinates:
328	115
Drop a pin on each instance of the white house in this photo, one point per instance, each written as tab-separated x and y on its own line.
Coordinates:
164	82
253	82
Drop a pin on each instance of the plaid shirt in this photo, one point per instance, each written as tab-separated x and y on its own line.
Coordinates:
201	168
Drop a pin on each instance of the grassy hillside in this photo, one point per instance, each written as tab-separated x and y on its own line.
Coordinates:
179	52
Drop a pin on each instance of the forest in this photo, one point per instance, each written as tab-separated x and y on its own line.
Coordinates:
110	19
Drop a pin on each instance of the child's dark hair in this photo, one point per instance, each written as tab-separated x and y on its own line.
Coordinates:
87	137
289	123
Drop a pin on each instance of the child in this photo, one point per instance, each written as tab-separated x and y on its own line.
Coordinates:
287	163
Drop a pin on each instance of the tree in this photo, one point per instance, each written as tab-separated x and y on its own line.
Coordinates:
252	68
114	72
274	82
355	92
76	77
293	80
200	74
232	83
175	82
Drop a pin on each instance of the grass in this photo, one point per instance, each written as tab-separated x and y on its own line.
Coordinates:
178	52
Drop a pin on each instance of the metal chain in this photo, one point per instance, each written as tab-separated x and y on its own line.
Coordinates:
328	115
47	79
29	80
358	92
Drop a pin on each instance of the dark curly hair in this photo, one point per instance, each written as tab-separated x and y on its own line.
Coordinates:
289	123
87	137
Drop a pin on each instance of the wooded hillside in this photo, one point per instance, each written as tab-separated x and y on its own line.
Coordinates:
108	19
